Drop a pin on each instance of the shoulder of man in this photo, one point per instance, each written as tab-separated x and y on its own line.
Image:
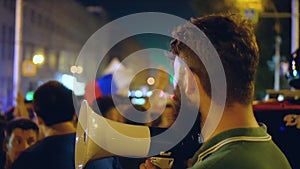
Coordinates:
24	161
28	158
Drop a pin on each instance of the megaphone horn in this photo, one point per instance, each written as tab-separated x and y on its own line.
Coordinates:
98	137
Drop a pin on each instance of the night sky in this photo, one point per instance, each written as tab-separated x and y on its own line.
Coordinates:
116	9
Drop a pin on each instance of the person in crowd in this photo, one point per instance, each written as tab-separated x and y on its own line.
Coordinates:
238	141
19	135
53	104
108	109
167	116
3	123
24	109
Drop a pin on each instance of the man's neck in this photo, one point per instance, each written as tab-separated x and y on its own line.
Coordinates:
59	129
236	116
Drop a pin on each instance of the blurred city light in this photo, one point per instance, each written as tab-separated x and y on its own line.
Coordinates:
172	79
138	93
138	101
150	81
29	68
149	93
38	59
73	69
250	4
71	83
76	69
67	80
29	95
280	98
79	69
129	94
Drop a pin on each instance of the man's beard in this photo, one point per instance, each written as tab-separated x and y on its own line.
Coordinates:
183	103
193	139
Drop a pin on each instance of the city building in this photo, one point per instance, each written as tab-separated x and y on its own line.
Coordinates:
53	32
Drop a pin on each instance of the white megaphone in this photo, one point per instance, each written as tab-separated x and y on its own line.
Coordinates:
98	137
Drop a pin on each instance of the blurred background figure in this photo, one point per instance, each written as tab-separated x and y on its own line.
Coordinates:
108	109
167	117
53	104
2	152
293	74
23	108
19	135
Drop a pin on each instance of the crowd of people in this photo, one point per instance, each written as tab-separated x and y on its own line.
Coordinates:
42	135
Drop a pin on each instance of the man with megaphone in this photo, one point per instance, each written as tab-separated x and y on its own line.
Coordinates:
232	137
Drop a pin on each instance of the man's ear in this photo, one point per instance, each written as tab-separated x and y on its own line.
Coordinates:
191	85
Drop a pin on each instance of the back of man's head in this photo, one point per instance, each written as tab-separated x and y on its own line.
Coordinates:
53	103
234	40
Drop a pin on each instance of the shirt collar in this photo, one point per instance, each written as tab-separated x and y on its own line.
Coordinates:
254	132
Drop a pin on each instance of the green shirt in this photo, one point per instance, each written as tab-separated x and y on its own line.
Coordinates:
241	148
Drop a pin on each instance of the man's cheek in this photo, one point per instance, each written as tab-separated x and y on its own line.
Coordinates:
176	76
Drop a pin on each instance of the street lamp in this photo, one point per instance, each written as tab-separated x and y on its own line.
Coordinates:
17	49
